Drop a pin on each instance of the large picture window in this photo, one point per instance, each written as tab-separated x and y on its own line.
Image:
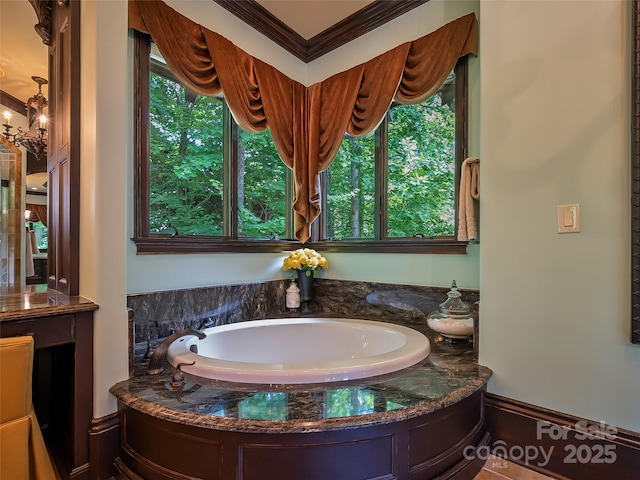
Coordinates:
204	184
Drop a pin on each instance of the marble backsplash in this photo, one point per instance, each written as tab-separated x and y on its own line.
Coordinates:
156	315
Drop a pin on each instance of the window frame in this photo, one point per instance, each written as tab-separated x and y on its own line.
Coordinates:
148	243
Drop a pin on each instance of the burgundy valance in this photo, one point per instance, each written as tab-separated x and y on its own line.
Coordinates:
307	123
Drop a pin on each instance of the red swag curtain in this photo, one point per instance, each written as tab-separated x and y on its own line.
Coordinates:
307	123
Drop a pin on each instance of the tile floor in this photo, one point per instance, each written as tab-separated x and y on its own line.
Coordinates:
498	469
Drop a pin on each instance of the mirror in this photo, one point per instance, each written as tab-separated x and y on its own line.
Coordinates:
11	218
23	55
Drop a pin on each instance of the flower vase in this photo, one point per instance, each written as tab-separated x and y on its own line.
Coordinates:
305	282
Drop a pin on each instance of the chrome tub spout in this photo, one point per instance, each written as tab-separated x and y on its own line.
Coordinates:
159	355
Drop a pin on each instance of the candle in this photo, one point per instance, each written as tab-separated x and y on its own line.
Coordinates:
43	122
7	117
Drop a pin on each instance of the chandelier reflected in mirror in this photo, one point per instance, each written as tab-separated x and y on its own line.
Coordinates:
35	143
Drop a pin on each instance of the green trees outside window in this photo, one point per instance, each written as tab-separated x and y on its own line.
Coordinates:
414	169
187	168
185	160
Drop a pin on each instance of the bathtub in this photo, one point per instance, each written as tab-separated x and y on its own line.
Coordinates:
299	350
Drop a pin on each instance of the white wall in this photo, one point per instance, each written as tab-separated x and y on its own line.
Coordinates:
555	308
105	147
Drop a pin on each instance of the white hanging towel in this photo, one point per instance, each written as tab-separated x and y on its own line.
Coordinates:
34	242
469	192
29	267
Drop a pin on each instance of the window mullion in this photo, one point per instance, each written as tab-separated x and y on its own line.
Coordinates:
381	220
290	230
230	174
141	181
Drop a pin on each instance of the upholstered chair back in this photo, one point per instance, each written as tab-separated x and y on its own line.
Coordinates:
22	448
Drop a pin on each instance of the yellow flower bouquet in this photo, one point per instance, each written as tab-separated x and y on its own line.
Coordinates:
305	259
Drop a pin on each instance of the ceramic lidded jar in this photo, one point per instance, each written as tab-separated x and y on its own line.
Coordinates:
453	319
292	296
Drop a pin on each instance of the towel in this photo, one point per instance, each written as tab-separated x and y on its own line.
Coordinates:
469	191
29	267
34	242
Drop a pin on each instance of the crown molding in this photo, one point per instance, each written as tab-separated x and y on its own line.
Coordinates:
363	21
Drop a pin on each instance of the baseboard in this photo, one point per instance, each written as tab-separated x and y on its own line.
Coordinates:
560	445
104	444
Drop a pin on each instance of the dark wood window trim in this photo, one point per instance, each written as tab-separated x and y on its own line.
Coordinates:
141	173
147	243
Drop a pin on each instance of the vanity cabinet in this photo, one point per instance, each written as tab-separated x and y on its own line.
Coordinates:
62	378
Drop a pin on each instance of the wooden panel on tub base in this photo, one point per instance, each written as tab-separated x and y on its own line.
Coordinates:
579	448
156	449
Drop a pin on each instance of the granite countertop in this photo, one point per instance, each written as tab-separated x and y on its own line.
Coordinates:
33	301
448	375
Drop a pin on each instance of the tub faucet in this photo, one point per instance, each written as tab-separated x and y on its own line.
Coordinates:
159	355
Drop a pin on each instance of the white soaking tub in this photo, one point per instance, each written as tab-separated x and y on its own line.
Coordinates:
299	350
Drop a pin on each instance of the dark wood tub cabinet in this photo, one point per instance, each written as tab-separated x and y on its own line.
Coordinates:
439	444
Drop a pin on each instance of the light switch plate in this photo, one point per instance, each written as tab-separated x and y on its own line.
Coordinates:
568	217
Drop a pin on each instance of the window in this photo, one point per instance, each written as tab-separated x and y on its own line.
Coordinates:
41	236
261	187
189	188
416	167
185	159
204	184
395	189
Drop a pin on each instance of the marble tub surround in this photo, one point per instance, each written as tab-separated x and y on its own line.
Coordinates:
158	314
447	376
381	301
